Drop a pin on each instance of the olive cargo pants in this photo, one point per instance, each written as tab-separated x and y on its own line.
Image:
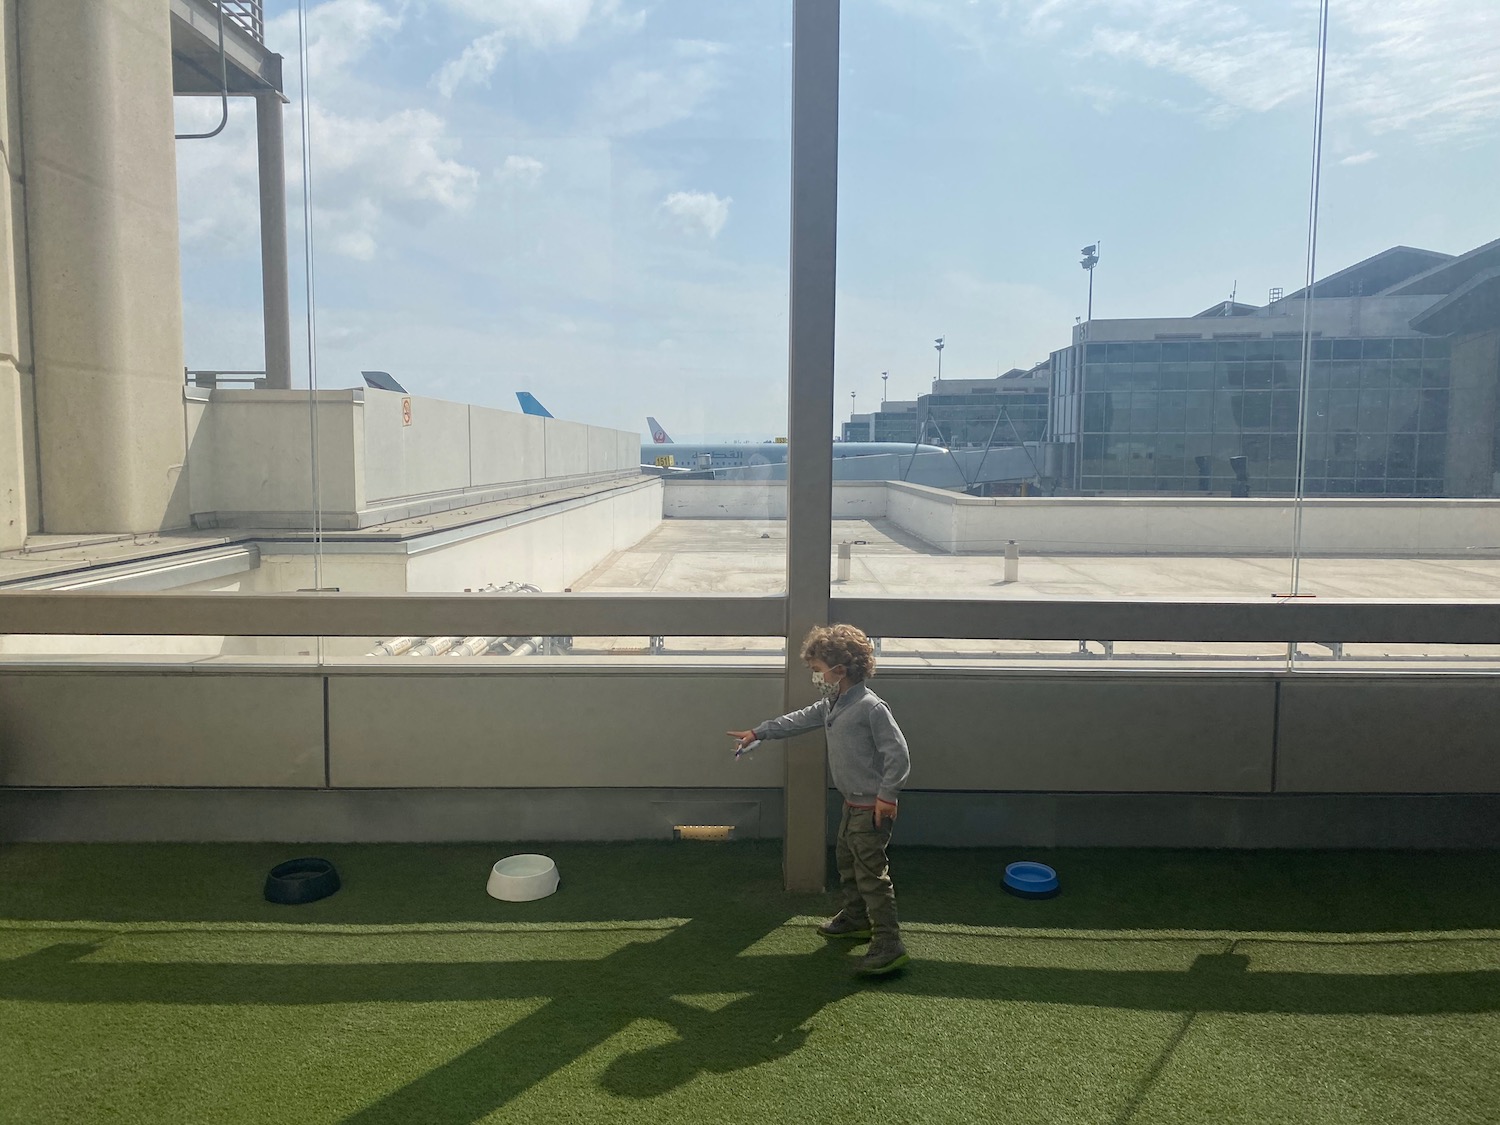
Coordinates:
865	884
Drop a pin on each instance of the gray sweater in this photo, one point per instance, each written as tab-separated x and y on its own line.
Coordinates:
867	753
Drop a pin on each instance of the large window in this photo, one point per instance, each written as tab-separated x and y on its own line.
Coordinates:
527	333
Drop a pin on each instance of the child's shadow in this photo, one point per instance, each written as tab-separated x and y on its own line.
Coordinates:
760	1028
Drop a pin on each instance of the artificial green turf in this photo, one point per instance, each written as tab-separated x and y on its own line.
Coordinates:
677	982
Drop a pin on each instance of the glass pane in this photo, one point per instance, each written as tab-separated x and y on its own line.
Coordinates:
564	234
1166	383
164	433
1407	327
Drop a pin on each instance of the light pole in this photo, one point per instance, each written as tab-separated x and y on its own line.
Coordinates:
938	344
1090	260
885	383
852	396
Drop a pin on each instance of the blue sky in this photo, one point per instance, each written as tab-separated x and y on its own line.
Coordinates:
588	199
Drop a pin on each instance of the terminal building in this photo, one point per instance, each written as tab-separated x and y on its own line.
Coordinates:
1401	394
1008	410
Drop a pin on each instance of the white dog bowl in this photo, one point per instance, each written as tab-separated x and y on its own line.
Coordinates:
521	878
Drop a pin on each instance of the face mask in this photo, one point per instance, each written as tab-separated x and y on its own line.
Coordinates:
825	689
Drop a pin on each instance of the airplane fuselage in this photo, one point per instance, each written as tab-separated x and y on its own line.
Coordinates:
730	455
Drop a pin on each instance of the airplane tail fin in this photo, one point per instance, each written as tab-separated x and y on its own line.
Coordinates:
382	381
658	435
529	405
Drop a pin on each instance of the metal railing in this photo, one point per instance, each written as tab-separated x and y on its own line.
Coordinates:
212	379
331	614
247	15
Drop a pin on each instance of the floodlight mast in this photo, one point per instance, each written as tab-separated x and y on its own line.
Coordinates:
1090	260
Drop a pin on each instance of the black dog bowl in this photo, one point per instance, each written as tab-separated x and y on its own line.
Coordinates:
301	880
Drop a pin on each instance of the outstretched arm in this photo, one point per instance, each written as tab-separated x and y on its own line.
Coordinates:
798	722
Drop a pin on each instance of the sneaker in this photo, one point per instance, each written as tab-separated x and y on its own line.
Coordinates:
886	955
842	926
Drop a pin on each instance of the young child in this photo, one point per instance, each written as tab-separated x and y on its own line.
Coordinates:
868	760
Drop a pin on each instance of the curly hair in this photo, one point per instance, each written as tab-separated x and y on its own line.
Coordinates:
841	644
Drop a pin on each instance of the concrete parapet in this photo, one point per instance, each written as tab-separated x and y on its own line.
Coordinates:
382	457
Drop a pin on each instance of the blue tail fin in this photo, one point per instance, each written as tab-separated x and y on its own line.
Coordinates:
529	405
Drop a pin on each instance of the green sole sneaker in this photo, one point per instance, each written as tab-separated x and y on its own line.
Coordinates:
856	935
889	967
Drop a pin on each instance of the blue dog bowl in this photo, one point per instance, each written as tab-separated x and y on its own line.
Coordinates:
1031	880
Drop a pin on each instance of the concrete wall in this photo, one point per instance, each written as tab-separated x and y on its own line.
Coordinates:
505	446
552	551
101	221
250	462
953	522
428	456
250	457
741	500
1378	527
1191	758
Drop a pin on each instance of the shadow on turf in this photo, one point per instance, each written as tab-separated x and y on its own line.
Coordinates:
590	1002
734	898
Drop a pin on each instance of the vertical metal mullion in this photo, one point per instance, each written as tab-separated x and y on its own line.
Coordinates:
815	122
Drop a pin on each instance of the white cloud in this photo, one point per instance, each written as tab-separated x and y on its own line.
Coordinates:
698	212
522	170
633	98
399	158
217	181
474	66
339	32
367	168
532	23
1431	67
1359	158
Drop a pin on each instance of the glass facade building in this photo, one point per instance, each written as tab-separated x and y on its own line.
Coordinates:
984	417
963	413
1168	415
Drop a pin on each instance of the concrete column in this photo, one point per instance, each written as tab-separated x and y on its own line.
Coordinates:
106	291
815	120
15	358
271	151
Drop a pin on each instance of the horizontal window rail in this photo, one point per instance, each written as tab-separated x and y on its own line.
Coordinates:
330	614
1247	620
335	614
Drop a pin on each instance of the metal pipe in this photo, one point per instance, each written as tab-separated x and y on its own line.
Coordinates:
223	91
396	647
435	646
475	646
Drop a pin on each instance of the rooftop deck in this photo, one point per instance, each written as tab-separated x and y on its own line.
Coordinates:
678	982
